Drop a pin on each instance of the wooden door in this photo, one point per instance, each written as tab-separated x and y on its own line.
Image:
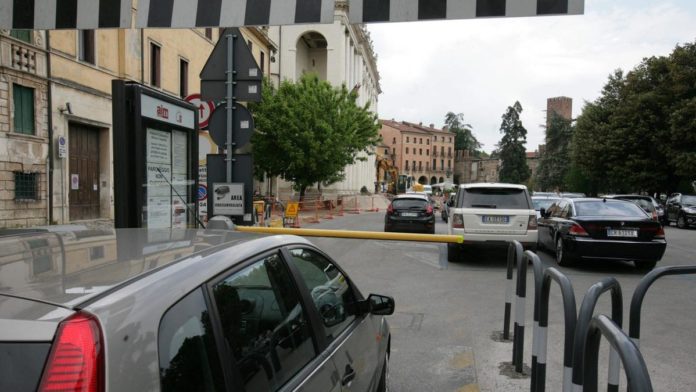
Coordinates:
83	144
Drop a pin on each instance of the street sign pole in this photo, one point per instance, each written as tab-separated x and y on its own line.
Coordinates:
230	103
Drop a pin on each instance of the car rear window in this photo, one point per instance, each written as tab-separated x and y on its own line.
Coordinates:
501	198
645	204
601	208
405	204
21	365
543	203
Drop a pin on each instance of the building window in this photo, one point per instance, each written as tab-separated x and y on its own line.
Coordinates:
449	151
434	164
443	139
449	164
263	62
420	165
86	46
393	151
406	165
183	78
420	141
414	165
407	139
155	64
26	186
442	150
406	150
23	98
22	35
427	152
427	142
394	141
386	151
209	33
442	164
450	139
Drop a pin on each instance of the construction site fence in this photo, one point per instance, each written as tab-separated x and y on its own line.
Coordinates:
311	210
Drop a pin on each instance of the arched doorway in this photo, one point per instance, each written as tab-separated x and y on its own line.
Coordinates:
311	55
433	180
442	179
423	180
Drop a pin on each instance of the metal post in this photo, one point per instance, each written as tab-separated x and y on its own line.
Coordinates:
508	291
230	104
518	344
536	331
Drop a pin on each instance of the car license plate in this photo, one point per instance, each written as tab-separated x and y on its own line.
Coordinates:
622	233
413	214
495	219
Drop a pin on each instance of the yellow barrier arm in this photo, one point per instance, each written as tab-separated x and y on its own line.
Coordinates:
362	235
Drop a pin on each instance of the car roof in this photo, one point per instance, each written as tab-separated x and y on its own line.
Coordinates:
491	185
546	197
67	269
643	197
414	195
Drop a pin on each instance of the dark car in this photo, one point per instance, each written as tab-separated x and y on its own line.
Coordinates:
184	310
444	212
682	210
601	229
647	203
410	213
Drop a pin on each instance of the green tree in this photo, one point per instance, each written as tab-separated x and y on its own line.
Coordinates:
554	164
309	131
464	138
513	155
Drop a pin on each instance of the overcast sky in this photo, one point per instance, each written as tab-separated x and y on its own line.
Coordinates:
480	67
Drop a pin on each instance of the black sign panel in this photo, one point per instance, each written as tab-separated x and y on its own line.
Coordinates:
242	172
243	126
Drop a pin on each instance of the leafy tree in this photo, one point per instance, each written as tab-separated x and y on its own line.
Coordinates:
464	138
309	131
554	164
514	167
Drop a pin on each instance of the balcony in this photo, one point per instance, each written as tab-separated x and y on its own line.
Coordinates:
23	57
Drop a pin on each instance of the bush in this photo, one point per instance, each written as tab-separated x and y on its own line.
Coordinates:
364	191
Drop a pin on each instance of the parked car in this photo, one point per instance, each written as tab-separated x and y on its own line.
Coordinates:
448	203
543	202
681	209
647	203
491	214
410	213
184	310
572	195
601	229
549	194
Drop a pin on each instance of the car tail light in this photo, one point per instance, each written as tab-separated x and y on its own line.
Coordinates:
76	361
457	221
429	210
654	216
532	224
390	209
577	230
660	233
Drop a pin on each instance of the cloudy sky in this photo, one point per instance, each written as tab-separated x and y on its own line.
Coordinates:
480	67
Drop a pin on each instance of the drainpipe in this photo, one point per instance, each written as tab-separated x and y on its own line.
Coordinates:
49	98
142	56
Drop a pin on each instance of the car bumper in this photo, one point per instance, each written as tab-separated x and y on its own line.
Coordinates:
587	248
690	219
528	240
425	225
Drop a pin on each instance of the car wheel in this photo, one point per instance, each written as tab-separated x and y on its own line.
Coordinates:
645	265
454	253
562	258
384	380
681	222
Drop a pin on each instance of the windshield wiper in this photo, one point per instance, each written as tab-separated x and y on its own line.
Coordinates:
484	206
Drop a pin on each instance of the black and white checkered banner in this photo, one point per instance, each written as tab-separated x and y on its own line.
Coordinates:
232	13
365	11
92	14
64	14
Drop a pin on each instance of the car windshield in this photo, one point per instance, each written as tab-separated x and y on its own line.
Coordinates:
406	204
508	198
602	208
543	203
689	200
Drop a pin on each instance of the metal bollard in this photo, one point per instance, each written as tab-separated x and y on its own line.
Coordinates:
583	322
637	375
538	382
514	249
538	268
520	293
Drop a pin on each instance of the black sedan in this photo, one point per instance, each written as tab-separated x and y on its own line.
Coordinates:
410	213
601	229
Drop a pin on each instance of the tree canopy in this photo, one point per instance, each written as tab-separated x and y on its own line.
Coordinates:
554	163
309	131
511	149
464	138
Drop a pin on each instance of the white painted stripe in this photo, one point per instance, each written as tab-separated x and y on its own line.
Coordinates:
327	10
127	13
45	15
543	339
184	13
403	10
535	339
521	8
508	292
576	7
519	310
6	10
567	379
282	12
232	13
143	14
614	367
461	9
87	14
577	388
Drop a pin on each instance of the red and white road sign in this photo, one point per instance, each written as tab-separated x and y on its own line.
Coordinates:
205	109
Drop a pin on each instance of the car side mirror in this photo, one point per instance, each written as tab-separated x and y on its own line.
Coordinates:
542	212
381	304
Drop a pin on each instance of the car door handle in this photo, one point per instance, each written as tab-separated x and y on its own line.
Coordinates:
348	376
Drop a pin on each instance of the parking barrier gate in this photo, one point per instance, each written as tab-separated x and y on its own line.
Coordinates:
538	380
636	372
581	334
514	254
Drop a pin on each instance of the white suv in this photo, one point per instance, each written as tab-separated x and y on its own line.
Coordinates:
492	214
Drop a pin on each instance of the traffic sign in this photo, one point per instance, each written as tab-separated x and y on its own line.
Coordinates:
62	147
205	109
244	90
202	192
292	209
243	126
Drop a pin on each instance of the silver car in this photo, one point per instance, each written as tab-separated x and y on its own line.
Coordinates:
137	310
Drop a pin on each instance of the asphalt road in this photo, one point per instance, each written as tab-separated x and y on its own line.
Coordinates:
446	318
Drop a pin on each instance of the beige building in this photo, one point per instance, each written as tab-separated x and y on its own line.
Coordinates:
424	153
80	65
